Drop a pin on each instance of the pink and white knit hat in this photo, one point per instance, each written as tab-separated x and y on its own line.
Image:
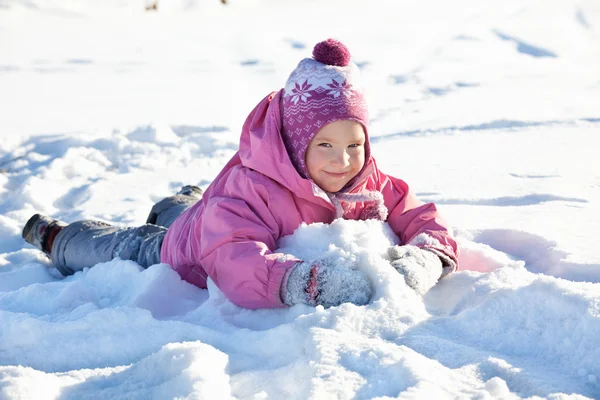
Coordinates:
321	90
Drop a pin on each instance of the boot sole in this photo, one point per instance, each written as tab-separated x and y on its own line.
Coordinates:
27	233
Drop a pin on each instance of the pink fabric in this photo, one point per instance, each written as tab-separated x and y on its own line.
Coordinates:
231	234
332	52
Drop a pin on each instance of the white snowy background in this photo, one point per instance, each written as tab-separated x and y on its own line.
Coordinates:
489	109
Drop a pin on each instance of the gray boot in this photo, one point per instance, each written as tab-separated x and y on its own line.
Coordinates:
41	230
166	211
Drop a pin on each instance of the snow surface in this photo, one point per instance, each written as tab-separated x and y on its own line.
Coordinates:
489	109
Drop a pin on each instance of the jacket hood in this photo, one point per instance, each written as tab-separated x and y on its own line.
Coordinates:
261	135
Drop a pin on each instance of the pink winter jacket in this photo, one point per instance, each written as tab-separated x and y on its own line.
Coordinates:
231	234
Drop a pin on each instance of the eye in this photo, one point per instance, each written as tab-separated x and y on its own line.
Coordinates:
324	145
354	145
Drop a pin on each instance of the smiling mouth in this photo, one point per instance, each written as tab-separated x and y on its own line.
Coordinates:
336	175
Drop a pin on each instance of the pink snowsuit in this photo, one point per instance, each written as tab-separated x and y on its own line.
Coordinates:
231	234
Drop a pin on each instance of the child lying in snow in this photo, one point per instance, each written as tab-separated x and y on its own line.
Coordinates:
304	156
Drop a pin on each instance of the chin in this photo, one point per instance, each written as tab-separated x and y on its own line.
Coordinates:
333	188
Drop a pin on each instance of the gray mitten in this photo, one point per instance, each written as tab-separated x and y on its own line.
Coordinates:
421	268
324	283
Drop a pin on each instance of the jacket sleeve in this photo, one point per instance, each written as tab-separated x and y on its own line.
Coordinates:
238	239
418	223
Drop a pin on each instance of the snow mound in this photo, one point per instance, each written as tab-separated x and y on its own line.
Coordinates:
116	330
156	133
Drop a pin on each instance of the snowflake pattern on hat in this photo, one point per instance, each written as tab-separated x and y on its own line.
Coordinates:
338	89
301	92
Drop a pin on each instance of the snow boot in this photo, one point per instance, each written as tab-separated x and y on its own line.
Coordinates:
191	190
40	231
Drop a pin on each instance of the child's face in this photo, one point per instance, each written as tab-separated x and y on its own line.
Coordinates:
336	154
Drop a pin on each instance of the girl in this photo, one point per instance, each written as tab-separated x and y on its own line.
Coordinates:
304	156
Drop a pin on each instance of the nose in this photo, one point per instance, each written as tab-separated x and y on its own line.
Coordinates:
341	158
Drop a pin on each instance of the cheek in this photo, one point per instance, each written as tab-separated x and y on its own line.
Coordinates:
358	159
316	156
312	160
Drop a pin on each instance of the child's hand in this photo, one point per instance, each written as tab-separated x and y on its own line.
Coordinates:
421	268
324	283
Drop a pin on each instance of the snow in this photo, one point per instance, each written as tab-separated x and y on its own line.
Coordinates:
488	110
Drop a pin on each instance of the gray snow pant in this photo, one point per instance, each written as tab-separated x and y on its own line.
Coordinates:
86	243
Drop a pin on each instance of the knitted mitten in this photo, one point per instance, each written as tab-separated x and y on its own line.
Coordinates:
421	268
324	283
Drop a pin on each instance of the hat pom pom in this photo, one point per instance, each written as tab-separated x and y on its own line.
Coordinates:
332	52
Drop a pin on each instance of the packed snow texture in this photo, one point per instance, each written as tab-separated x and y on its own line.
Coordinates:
488	110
